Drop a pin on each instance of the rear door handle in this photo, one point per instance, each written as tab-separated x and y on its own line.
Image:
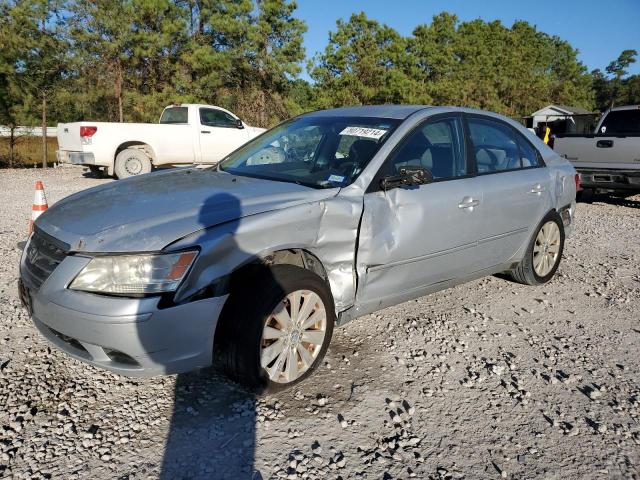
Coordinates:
604	143
537	189
469	202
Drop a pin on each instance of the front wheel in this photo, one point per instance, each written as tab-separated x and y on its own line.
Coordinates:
278	328
543	253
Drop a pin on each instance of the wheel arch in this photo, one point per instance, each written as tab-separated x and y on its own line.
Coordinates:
248	272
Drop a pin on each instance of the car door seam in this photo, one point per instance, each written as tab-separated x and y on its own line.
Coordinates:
502	235
373	268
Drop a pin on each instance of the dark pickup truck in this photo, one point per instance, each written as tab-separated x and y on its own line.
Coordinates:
609	159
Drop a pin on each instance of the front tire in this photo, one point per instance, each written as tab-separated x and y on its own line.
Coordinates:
277	329
542	258
131	162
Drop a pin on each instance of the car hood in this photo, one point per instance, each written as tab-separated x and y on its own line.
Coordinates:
148	212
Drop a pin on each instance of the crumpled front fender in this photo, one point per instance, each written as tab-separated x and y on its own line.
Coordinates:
328	229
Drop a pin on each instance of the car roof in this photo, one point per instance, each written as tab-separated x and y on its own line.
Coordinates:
625	107
382	111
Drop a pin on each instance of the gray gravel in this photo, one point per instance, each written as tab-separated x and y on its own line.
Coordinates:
487	380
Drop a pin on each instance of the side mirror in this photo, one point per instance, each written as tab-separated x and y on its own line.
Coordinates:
408	176
239	123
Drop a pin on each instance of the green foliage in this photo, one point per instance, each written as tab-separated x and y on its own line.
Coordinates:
126	59
477	64
365	63
617	90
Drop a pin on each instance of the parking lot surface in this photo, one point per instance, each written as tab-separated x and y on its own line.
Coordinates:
487	380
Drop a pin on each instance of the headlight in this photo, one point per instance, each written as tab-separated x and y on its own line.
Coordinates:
134	274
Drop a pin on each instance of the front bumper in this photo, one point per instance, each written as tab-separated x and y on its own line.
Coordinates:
130	336
75	158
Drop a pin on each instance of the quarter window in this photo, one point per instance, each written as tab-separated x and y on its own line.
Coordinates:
437	146
216	118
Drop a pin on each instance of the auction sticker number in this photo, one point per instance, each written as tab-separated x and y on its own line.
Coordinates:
364	132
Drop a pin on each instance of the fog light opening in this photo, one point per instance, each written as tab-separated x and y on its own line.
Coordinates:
72	342
119	357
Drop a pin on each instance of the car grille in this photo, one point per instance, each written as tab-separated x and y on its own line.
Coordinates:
44	253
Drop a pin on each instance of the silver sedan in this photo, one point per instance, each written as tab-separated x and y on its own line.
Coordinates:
327	217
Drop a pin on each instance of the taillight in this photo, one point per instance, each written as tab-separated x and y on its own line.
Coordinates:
87	131
577	177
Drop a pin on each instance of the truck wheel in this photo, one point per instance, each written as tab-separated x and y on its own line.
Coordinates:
131	162
543	254
278	329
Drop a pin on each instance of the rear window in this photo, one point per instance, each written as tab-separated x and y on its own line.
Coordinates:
621	122
175	115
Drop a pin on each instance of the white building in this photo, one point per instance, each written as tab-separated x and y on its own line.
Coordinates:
563	119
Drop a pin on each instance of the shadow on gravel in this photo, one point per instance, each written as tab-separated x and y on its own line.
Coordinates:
629	202
94	173
212	428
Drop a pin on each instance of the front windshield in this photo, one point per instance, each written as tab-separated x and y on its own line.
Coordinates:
316	151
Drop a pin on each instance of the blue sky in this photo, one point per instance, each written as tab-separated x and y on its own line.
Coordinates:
600	30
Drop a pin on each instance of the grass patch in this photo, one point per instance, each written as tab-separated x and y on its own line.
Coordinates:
28	151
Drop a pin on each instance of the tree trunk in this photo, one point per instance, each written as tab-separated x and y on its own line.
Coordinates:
44	130
200	18
12	144
118	91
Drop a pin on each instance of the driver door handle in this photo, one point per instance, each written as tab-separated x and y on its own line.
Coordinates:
205	131
469	202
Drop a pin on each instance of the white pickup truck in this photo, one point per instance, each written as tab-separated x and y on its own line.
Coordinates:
607	160
186	134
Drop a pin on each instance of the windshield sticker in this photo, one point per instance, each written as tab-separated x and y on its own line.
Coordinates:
365	132
336	178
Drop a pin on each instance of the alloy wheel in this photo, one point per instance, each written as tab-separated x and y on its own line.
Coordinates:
293	336
546	249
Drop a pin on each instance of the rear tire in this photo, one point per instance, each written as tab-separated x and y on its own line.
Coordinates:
131	162
255	311
543	253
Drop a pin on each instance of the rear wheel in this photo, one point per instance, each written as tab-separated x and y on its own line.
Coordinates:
131	162
543	254
280	336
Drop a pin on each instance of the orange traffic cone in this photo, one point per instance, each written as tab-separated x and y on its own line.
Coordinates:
39	204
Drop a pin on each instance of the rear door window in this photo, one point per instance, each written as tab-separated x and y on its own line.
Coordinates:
437	145
495	146
529	156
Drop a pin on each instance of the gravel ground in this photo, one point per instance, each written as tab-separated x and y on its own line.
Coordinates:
487	380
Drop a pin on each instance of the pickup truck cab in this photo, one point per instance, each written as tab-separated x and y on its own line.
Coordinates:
609	159
185	134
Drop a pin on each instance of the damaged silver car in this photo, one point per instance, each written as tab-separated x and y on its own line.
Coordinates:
327	217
